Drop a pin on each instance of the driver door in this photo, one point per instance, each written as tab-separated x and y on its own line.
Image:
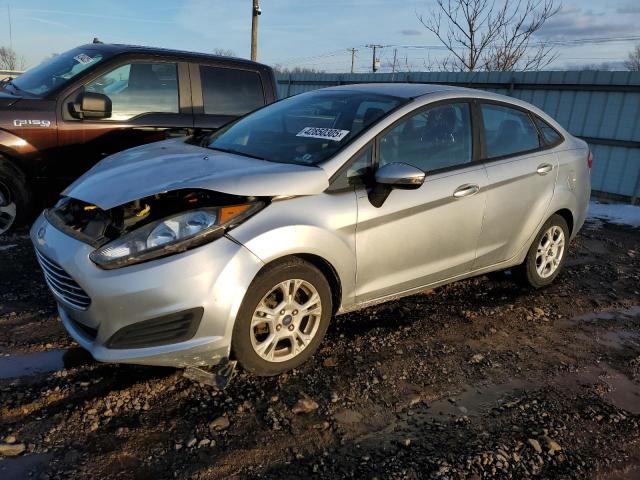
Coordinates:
426	235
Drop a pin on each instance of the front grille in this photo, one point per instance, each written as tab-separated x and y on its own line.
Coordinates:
62	285
174	328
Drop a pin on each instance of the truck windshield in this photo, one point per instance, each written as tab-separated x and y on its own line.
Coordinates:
56	71
306	129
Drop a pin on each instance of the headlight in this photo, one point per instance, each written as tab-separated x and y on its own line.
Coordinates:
171	235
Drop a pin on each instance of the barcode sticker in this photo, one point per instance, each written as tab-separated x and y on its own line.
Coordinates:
325	133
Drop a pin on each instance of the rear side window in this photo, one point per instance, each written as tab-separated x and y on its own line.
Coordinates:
549	134
227	91
508	131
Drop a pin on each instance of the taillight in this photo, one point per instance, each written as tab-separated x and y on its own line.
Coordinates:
590	160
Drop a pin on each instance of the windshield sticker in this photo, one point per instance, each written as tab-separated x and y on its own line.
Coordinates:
83	58
325	133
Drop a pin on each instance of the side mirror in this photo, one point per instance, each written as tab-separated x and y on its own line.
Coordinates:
91	105
400	175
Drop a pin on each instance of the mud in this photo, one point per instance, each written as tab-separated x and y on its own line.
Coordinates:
479	379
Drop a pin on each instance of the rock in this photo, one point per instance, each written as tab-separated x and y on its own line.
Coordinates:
407	442
538	312
192	441
414	400
535	445
347	416
305	405
551	444
12	450
330	362
220	423
204	442
334	397
10	439
477	358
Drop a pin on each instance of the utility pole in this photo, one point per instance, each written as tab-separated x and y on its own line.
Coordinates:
353	58
395	54
375	63
10	33
255	12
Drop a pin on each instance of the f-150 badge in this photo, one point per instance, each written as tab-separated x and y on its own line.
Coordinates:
32	123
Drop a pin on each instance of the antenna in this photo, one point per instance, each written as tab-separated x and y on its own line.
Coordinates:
10	32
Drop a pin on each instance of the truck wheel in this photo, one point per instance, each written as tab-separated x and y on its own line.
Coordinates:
15	200
547	254
283	318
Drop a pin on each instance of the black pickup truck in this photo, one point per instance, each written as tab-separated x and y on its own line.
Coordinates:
58	119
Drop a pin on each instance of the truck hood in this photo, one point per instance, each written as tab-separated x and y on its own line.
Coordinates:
173	164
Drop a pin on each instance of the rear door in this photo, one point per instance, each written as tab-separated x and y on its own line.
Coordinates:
221	93
522	173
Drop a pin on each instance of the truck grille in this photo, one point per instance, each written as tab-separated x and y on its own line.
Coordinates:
62	285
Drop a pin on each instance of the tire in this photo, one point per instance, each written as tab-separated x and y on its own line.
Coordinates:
530	271
16	207
265	292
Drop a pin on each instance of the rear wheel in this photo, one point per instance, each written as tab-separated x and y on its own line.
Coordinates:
547	254
283	318
14	196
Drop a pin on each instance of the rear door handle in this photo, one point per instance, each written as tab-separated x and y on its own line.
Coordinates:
544	168
466	190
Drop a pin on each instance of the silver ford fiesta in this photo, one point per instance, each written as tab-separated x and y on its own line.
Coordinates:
245	243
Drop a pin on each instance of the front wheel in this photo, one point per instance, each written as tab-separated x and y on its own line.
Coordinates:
283	318
14	196
547	253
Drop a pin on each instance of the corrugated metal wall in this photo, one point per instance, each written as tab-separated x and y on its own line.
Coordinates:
601	107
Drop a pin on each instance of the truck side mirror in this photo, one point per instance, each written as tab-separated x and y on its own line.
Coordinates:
91	105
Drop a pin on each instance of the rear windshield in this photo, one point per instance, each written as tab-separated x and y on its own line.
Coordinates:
56	71
306	129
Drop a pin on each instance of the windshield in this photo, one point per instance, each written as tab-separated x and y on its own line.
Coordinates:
306	129
56	71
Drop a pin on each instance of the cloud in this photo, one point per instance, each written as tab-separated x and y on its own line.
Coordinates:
409	32
579	23
628	10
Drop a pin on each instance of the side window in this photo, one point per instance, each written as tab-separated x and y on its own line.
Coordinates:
359	168
549	134
437	138
508	131
137	88
228	91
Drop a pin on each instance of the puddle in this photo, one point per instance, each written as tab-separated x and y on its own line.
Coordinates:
22	466
474	401
629	313
615	387
13	366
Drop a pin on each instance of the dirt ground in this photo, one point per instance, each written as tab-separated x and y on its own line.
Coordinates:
479	379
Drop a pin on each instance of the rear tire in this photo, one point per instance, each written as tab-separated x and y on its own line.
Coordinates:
15	198
547	254
276	331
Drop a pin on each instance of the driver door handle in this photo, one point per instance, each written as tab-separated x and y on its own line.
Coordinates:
466	190
544	168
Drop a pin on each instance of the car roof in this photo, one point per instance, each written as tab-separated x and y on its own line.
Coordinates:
403	90
118	48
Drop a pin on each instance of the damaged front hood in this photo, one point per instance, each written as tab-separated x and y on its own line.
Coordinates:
173	164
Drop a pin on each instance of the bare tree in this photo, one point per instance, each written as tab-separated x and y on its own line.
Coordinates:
480	35
633	62
9	59
278	68
224	52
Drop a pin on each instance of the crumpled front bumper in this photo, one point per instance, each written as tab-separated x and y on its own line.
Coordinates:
214	276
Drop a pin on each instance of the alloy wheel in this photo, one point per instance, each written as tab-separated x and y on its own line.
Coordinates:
8	209
286	320
550	251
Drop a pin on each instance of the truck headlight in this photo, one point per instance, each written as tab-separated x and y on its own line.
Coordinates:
171	235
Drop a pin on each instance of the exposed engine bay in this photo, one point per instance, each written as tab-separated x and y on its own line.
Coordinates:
90	224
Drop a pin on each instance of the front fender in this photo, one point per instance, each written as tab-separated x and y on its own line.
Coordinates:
322	225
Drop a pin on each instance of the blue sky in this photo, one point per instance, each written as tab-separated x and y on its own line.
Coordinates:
312	33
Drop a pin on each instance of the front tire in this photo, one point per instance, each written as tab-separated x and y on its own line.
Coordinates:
15	199
283	318
547	254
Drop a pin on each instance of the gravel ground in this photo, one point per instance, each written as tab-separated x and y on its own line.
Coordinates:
479	379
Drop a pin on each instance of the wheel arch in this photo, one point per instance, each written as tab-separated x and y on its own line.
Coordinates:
568	217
